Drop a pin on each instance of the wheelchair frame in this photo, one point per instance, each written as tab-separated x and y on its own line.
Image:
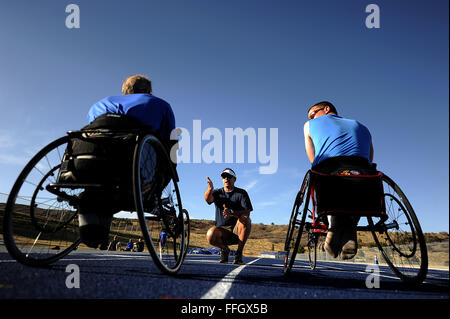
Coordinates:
56	216
410	266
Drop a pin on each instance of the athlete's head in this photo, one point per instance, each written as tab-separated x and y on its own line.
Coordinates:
137	84
321	108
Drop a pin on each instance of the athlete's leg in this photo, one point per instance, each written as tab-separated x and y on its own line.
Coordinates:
244	227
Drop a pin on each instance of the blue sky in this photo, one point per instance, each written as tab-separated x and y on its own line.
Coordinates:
248	64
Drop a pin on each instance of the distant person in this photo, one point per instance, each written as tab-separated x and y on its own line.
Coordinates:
139	246
233	223
138	102
129	246
336	145
114	244
163	239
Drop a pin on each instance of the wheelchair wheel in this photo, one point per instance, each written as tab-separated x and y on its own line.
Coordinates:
296	226
400	238
187	229
160	213
312	249
40	227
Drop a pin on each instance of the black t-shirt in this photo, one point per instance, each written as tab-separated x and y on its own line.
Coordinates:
237	200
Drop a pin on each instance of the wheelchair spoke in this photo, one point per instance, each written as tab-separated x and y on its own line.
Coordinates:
34	243
31	183
36	168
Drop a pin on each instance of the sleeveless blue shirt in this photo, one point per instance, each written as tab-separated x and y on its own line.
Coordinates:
333	136
147	108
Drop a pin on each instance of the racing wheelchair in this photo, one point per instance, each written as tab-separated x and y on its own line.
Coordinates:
114	164
390	218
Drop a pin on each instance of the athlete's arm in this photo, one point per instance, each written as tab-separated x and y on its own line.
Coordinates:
309	145
371	152
209	198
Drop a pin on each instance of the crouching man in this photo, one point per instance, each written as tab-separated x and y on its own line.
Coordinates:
233	224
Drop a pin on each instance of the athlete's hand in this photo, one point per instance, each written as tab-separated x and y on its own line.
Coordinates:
227	212
210	184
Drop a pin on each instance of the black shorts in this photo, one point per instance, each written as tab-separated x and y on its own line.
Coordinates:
230	235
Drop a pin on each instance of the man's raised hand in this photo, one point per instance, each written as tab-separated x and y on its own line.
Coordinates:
210	184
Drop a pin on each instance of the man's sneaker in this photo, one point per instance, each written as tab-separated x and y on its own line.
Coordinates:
333	241
350	242
238	259
224	256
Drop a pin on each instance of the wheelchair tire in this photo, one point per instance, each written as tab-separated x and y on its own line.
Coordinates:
39	227
296	226
158	213
312	249
187	229
401	240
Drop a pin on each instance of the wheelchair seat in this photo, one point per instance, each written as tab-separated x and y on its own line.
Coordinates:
359	195
101	151
99	158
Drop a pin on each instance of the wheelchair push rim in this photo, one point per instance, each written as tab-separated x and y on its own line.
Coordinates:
40	227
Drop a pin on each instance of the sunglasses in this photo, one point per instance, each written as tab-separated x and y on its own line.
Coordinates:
227	176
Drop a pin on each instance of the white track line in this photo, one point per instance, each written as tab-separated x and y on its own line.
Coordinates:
220	290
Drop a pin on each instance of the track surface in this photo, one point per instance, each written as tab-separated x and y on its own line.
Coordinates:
113	275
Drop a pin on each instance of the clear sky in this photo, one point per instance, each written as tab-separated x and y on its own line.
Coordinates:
248	64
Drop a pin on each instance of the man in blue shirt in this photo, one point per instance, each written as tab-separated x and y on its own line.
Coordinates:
136	101
336	145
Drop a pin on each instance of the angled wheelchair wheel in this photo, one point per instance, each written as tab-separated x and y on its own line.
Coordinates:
296	224
312	249
161	216
40	227
400	238
187	230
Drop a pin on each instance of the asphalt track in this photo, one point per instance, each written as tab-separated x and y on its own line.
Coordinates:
127	275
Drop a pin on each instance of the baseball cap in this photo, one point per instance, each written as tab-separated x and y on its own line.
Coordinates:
228	171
